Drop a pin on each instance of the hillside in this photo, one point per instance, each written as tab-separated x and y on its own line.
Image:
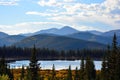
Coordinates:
3	35
57	42
11	40
111	33
91	37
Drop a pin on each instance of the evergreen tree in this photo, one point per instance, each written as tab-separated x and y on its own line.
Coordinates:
90	72
34	66
53	73
82	69
117	77
22	73
117	68
69	75
10	73
113	61
3	66
76	77
5	69
104	70
28	75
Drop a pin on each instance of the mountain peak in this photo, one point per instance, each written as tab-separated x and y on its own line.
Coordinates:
66	30
66	27
62	31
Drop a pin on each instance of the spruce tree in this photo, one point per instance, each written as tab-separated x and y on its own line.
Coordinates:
90	72
10	73
76	77
82	69
22	73
104	70
69	75
28	75
34	66
3	66
5	69
117	68
113	61
53	73
117	77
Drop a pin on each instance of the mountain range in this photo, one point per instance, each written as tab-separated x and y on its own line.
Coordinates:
61	39
57	42
62	31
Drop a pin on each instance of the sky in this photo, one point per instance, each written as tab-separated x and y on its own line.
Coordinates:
27	16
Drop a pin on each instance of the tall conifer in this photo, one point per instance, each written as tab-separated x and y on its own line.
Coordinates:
90	72
34	66
113	61
22	73
82	69
53	73
69	75
76	77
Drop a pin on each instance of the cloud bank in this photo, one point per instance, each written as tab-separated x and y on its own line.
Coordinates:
73	12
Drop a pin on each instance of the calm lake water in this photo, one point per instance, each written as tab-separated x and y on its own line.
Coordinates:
59	64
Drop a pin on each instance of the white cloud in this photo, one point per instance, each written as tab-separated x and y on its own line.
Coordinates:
68	0
28	27
110	5
38	13
96	12
8	2
49	3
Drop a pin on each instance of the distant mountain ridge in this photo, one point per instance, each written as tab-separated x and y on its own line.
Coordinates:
111	33
62	31
91	37
57	42
3	35
11	40
58	37
95	32
66	30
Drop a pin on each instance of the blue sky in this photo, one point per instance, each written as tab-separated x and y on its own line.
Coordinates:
27	16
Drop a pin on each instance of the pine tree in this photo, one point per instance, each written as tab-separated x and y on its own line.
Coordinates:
76	77
28	75
9	73
117	66
22	73
117	77
3	66
69	75
104	70
113	61
90	72
5	69
82	69
53	73
34	66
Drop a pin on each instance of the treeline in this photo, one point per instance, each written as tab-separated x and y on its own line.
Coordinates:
47	54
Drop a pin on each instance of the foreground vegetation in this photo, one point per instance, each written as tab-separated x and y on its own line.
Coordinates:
110	68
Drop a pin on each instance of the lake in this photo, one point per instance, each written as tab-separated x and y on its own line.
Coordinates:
59	64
